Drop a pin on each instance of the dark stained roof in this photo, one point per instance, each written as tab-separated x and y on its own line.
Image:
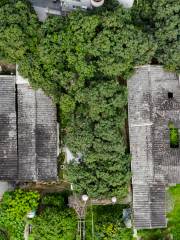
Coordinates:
37	135
155	164
8	136
28	133
149	205
46	137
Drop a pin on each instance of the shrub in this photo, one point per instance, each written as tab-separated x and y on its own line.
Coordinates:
56	221
13	208
107	223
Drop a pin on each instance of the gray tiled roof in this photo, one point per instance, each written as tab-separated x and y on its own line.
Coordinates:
46	137
37	135
28	133
154	164
8	136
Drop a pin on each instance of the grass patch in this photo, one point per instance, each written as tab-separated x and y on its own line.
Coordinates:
174	215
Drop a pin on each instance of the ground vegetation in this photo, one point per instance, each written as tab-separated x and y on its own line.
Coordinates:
55	221
106	223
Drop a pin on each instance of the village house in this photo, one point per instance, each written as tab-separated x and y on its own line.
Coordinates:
28	130
154	123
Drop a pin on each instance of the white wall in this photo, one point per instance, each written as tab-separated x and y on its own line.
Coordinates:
73	4
126	3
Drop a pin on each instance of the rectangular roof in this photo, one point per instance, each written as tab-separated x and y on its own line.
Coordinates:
154	164
37	135
46	137
28	133
8	133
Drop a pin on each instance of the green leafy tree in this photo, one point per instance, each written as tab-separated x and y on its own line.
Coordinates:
160	19
167	33
19	202
97	132
18	30
85	45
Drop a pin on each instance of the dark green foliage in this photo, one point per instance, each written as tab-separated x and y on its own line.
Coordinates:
13	208
3	234
142	14
154	234
55	200
95	51
55	224
96	131
56	221
18	30
107	223
167	33
160	19
106	44
78	60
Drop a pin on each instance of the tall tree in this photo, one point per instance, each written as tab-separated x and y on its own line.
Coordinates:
18	30
167	33
160	19
97	131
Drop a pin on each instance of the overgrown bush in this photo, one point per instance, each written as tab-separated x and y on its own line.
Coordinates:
53	200
107	223
56	221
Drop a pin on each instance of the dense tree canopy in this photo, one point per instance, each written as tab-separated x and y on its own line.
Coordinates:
97	131
98	51
167	33
160	19
18	30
